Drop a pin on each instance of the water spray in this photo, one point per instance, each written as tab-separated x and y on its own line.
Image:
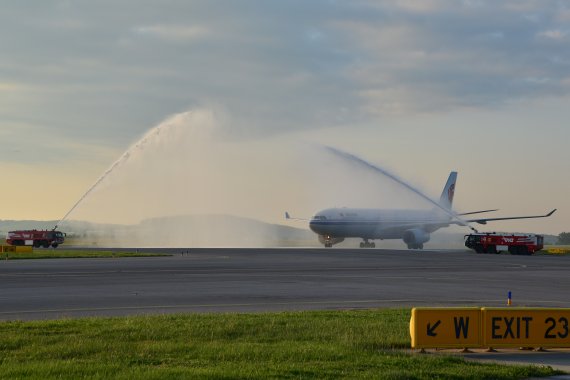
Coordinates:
139	145
369	166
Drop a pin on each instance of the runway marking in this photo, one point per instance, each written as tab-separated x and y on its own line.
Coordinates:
241	270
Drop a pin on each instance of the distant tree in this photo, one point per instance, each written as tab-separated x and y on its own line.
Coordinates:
564	238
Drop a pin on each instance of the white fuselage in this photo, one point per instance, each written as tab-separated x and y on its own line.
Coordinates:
375	223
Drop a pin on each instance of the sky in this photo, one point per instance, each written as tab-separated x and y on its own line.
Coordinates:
420	87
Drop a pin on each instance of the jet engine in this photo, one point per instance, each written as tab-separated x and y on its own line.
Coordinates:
328	241
415	238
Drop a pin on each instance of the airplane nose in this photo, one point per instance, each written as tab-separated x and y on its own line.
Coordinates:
313	226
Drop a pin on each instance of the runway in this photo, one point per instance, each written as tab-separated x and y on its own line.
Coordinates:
223	280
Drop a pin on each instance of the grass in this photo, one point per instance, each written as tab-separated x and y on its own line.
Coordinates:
556	250
558	246
68	254
323	344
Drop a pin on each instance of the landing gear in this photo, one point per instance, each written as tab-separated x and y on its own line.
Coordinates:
328	241
366	244
415	246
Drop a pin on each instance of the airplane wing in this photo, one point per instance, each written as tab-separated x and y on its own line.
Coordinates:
477	212
485	220
288	217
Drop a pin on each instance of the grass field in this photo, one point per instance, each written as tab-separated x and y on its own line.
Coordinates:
556	250
67	254
324	344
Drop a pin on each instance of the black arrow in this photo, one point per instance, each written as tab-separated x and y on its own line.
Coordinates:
431	329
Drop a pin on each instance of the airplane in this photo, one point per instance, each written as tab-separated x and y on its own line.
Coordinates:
414	227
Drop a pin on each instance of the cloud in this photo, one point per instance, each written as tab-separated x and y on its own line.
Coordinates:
11	87
173	32
553	34
106	72
468	54
421	5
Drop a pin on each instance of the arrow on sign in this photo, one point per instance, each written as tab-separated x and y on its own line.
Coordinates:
431	329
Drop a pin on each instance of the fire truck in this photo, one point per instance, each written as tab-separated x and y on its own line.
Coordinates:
516	244
36	238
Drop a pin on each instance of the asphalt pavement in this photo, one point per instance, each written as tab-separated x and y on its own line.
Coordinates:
221	280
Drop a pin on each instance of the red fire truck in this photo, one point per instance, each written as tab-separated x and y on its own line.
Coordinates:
516	244
36	238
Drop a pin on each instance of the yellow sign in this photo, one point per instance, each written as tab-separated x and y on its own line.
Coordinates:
489	327
525	327
445	327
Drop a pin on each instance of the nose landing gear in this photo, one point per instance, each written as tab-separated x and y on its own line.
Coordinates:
366	244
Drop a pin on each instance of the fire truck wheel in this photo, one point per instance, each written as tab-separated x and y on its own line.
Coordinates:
45	245
54	245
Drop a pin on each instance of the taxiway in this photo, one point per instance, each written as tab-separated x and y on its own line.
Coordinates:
222	280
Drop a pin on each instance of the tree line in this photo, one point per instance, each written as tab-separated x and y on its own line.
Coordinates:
564	238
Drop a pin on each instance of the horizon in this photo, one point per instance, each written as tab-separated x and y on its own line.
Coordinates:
452	229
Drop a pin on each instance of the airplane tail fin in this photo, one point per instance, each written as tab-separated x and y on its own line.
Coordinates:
446	199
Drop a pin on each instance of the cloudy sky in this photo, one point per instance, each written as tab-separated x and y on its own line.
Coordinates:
423	87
